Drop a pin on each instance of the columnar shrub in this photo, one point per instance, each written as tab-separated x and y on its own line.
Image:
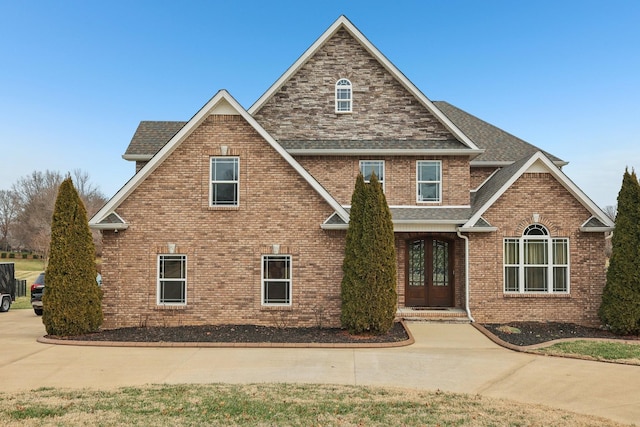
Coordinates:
620	308
369	282
72	299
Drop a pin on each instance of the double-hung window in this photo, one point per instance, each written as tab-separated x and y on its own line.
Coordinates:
225	180
276	280
172	279
343	96
429	180
369	167
536	262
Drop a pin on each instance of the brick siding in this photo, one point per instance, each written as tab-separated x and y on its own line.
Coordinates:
338	176
223	246
562	214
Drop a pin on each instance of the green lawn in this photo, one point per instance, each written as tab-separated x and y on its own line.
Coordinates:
599	350
275	405
25	269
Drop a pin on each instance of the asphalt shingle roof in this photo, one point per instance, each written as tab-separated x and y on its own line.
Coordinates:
499	146
151	136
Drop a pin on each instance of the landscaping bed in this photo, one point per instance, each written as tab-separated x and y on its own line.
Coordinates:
241	334
530	333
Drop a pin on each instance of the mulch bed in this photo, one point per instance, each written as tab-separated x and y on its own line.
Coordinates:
516	333
241	334
530	333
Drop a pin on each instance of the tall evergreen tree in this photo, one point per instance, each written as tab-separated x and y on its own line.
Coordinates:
620	308
72	299
353	313
382	256
369	282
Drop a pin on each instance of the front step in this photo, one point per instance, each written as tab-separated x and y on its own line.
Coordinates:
427	314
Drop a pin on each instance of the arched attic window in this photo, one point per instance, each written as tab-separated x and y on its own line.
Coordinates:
343	96
536	262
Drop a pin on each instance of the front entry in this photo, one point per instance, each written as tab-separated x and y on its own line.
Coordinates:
429	273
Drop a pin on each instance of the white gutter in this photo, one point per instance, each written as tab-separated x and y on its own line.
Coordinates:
466	274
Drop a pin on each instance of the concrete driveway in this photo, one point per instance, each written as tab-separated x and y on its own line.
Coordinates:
448	357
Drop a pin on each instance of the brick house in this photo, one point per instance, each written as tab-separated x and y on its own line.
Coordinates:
239	216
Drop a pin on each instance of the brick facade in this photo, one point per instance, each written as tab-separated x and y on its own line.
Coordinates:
223	246
562	215
338	176
278	206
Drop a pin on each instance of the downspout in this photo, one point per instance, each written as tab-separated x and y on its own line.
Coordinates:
466	274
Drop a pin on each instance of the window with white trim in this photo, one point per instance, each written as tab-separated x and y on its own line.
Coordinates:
225	180
276	280
172	279
429	180
343	96
536	262
369	167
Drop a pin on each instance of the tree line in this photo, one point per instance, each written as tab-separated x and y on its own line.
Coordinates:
27	208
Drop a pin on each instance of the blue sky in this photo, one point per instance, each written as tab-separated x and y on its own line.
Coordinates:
76	77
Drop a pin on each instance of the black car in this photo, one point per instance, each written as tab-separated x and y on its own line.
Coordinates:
36	294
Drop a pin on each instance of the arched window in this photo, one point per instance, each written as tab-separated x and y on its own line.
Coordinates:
343	96
536	262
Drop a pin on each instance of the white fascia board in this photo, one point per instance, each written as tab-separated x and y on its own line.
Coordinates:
137	157
416	227
383	152
596	229
334	226
502	163
477	229
108	226
226	104
343	22
430	207
559	176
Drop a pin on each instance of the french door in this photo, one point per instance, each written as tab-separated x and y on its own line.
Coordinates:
429	273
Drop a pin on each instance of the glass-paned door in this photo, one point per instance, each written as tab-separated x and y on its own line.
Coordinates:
429	273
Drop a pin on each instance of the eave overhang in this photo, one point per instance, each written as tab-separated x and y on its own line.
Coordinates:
384	152
137	157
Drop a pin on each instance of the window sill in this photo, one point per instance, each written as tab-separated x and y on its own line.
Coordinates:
276	308
536	295
170	307
224	208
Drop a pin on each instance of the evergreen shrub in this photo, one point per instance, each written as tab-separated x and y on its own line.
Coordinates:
620	307
72	302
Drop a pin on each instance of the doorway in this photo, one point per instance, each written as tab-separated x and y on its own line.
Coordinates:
429	272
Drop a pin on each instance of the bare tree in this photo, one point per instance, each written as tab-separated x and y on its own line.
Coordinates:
36	194
611	211
8	214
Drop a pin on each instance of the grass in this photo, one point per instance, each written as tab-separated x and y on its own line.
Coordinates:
274	404
598	350
25	269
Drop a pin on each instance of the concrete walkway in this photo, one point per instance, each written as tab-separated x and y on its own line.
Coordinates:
449	357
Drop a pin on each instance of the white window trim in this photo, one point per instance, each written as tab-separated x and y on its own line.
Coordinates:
418	182
384	172
521	265
350	99
159	280
289	280
211	182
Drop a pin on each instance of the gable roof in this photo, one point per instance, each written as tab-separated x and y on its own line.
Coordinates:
221	103
501	148
343	23
502	180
